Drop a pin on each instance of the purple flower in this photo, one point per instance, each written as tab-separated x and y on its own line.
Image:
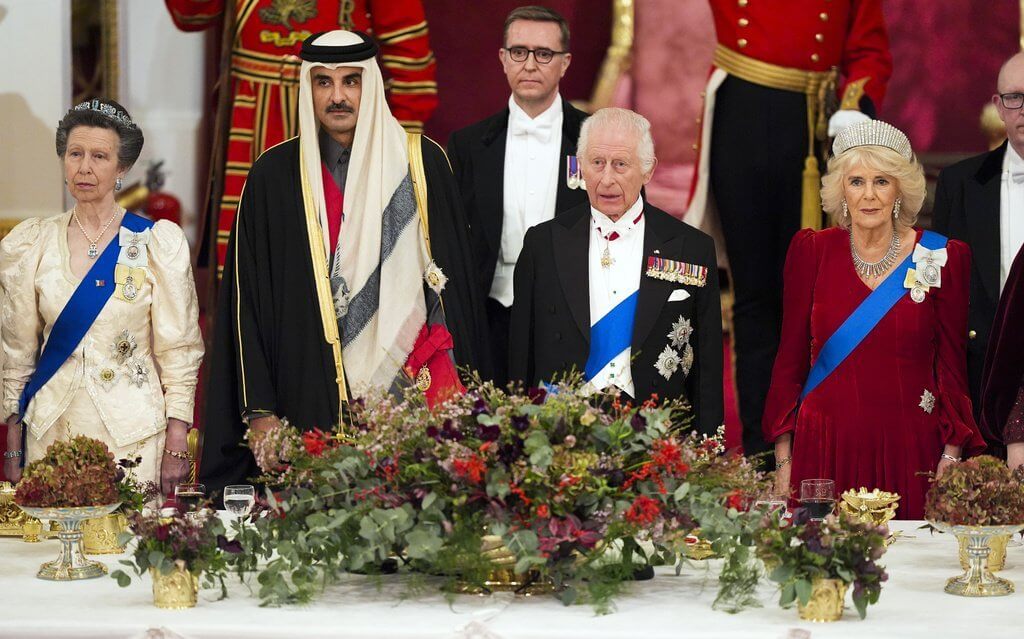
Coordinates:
537	395
433	432
234	546
520	422
488	433
638	422
480	407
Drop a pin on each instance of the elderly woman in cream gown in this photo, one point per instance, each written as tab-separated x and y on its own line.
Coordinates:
100	327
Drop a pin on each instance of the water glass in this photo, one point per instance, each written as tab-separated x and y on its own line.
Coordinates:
239	499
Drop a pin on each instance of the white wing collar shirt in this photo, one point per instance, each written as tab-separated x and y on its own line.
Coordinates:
532	146
1011	212
616	266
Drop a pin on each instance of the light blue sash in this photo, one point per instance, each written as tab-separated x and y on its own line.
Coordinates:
865	317
78	315
612	334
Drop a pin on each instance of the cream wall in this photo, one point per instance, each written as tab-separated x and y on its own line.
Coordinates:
35	47
161	84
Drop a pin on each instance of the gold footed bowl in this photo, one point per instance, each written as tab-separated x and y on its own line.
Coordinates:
502	577
996	557
826	602
175	590
99	536
978	580
70	564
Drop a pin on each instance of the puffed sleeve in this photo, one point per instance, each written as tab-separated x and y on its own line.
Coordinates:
956	419
793	361
177	342
22	326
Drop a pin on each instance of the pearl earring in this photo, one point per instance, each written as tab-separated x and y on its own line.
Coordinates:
846	210
117	184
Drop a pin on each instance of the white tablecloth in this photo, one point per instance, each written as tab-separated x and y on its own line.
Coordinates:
912	605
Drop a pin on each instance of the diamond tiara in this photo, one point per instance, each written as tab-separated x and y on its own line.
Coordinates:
107	110
873	133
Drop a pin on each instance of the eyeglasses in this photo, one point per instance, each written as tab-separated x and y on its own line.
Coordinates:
542	56
1009	100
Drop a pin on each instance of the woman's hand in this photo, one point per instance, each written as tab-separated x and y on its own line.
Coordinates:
1014	455
945	462
172	469
12	466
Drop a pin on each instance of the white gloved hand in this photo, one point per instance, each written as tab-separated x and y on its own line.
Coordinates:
844	118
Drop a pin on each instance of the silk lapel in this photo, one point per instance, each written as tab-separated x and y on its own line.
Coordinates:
571	246
490	181
653	292
981	205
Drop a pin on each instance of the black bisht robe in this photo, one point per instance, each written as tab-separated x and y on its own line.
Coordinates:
269	351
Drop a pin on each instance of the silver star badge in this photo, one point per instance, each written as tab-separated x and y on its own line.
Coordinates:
681	331
927	402
435	277
668	362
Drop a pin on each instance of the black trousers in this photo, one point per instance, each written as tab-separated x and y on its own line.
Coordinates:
498	319
758	146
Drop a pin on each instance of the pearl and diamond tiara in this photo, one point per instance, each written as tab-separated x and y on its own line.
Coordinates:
873	133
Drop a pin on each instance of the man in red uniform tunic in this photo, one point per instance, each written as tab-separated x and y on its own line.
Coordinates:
265	71
775	73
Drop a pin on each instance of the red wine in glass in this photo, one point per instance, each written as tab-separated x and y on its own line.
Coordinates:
818	496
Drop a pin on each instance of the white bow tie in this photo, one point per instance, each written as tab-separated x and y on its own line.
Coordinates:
1017	176
541	131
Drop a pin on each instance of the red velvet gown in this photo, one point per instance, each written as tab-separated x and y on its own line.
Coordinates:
864	424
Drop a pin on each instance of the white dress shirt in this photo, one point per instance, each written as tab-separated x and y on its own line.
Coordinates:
532	146
1011	212
611	284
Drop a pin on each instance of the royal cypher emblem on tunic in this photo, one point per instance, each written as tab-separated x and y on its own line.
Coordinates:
284	12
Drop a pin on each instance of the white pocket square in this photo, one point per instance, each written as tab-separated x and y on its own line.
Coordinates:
679	295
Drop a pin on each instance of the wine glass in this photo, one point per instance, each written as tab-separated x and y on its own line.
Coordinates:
239	499
818	496
189	497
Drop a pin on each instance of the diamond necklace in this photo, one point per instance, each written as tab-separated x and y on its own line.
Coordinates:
93	249
875	269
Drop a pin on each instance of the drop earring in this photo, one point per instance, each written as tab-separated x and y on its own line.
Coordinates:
896	209
846	210
117	184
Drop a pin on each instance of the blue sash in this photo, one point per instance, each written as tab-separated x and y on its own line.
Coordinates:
865	317
78	315
612	334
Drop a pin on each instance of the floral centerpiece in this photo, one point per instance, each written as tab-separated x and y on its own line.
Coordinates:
78	472
981	502
980	491
814	562
74	481
571	484
176	550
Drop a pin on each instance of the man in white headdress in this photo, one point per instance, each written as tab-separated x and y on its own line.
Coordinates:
347	240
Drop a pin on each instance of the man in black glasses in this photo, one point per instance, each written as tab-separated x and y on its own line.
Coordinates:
980	200
518	168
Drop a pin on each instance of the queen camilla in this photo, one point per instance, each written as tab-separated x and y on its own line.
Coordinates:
100	317
869	386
